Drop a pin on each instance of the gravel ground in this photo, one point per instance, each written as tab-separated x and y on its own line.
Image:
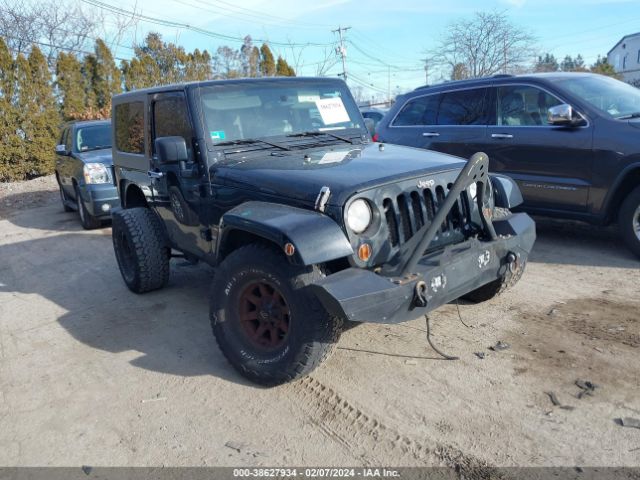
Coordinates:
16	196
92	374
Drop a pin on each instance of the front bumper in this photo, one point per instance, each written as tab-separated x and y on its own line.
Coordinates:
364	296
100	198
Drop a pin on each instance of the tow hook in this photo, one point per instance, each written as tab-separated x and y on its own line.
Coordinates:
513	261
420	294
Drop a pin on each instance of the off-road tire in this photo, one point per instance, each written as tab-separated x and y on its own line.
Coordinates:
63	197
507	280
312	332
140	249
629	212
88	221
499	286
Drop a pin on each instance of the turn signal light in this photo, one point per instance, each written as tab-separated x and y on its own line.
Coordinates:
364	252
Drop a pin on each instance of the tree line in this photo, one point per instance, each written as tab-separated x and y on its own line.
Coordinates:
38	94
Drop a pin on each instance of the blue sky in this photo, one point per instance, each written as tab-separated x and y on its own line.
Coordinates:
385	36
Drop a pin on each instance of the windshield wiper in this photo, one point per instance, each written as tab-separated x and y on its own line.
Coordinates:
250	141
629	116
317	134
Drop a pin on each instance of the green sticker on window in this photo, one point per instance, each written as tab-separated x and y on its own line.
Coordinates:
217	135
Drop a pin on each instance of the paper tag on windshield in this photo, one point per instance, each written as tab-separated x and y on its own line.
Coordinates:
332	110
334	157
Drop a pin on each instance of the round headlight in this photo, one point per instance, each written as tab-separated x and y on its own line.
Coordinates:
359	216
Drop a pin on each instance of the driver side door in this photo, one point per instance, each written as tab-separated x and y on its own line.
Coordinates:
175	186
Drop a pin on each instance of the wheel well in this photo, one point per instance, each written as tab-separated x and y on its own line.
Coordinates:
239	238
629	183
134	197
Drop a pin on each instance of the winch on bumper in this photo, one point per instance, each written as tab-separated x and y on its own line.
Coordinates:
418	283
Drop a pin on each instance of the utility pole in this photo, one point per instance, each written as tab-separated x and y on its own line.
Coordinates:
389	85
342	50
426	71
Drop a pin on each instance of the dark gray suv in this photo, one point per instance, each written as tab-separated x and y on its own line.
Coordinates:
570	140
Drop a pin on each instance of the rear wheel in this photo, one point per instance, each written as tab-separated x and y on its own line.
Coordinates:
141	252
629	221
266	322
88	221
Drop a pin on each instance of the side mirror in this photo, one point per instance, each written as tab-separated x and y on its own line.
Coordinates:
506	191
171	149
62	150
563	115
371	125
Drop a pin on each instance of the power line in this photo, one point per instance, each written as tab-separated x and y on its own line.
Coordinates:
202	31
57	47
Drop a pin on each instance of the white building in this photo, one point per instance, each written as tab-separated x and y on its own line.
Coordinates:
625	58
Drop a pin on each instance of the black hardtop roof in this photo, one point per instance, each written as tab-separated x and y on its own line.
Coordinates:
234	81
87	123
502	79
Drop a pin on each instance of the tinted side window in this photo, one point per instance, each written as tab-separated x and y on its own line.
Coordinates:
129	125
522	105
466	107
419	111
170	118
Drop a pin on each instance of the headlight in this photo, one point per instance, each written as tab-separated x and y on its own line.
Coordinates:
96	173
359	216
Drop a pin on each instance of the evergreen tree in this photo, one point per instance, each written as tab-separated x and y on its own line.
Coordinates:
548	63
10	142
70	84
267	62
254	65
603	67
283	69
88	70
106	77
40	121
198	66
568	64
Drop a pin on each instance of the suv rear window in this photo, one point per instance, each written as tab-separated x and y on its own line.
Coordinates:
464	107
129	125
419	111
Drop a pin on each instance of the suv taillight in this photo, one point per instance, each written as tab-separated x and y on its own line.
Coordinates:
376	137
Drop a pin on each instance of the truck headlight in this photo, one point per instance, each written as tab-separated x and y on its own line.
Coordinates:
95	173
359	215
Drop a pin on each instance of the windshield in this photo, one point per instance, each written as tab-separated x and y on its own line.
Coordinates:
612	97
243	111
93	138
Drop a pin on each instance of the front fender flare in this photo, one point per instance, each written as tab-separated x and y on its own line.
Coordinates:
316	237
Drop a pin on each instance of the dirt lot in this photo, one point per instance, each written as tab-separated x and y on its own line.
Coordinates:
93	374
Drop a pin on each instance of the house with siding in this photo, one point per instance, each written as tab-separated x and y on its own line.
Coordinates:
625	58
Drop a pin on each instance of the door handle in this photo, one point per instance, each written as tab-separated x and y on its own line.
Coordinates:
153	174
501	135
430	134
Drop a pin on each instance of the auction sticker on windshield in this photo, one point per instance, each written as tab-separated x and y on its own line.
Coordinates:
217	135
332	110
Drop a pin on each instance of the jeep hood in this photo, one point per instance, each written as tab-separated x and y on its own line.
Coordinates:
346	169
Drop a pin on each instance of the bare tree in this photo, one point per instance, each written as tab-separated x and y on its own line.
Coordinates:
486	44
53	25
327	61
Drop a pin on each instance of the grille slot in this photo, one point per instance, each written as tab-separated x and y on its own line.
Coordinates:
410	211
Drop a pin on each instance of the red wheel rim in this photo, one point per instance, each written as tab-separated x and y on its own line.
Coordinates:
264	315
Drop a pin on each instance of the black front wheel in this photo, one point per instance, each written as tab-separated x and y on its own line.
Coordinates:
629	221
142	254
88	221
266	322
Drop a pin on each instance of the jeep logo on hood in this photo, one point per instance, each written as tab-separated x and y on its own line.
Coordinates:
426	183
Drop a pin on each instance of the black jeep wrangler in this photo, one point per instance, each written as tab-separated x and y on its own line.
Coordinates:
277	184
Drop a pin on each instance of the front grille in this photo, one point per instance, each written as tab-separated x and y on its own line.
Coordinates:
410	211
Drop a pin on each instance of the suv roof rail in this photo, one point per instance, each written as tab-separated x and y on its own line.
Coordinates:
502	75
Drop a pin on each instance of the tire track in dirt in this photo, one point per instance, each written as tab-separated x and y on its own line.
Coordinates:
370	440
